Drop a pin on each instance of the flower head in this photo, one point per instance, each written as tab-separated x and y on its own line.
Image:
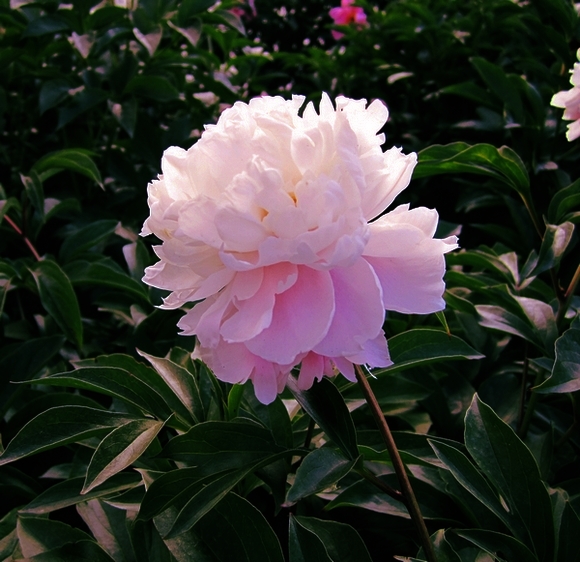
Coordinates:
569	100
346	14
274	220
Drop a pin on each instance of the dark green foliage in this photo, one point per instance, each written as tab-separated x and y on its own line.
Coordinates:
117	445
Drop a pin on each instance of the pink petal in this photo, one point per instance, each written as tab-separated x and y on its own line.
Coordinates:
375	353
311	368
300	318
359	313
407	261
254	314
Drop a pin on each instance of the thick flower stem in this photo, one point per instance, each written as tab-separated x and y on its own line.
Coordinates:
409	495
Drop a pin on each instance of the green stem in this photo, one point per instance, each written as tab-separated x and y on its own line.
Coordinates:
530	409
400	471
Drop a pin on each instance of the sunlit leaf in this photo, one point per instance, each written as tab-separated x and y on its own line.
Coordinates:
109	526
115	382
41	535
59	426
119	449
67	493
181	381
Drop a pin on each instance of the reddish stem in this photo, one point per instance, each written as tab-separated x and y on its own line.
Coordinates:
21	233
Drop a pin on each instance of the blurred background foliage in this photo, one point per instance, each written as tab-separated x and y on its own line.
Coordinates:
119	446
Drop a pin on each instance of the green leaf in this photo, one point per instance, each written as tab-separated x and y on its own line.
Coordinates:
363	494
472	92
105	273
194	497
59	426
148	376
181	381
442	548
488	260
42	25
273	416
119	449
319	469
81	102
467	475
79	551
531	319
109	526
556	240
563	203
498	82
41	535
8	537
6	205
232	20
115	382
34	191
341	541
568	527
79	242
565	376
512	469
215	446
189	8
554	244
325	405
75	160
52	92
236	530
153	87
304	545
59	299
204	498
494	543
22	361
67	493
422	346
126	114
502	164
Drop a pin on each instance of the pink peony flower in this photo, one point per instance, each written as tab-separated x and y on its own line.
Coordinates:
347	14
569	100
274	221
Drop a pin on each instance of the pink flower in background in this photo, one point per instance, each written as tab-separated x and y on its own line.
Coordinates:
275	222
569	100
347	14
241	12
